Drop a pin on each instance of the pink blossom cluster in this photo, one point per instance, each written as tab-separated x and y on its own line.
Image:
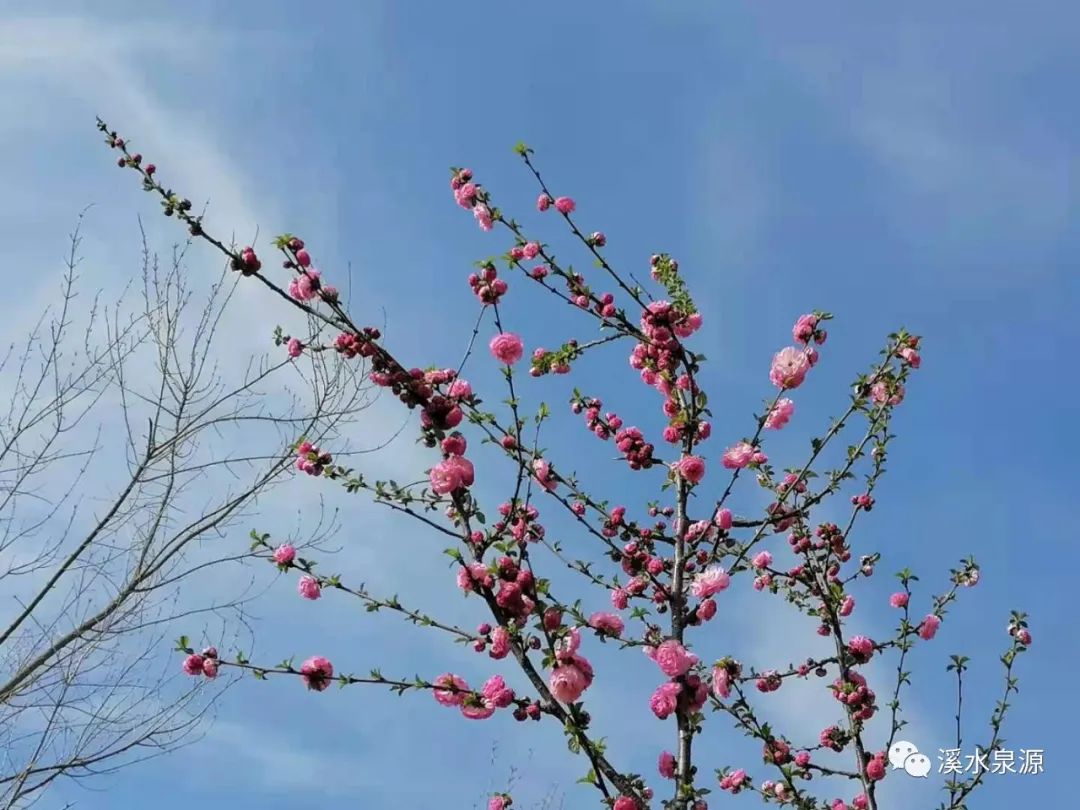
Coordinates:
724	673
311	460
676	661
516	593
1020	633
607	624
454	472
864	501
305	285
780	414
776	751
860	648
657	357
487	286
452	690
249	263
637	452
564	205
603	427
350	345
769	681
471	196
497	641
544	475
572	673
544	361
680	429
734	781
834	738
742	455
522	521
204	663
855	694
928	627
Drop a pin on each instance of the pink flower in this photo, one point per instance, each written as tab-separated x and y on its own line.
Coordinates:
568	681
804	328
454	445
625	803
499	803
210	668
500	643
530	250
305	285
929	627
738	455
460	389
706	610
723	518
483	217
665	699
317	672
847	605
310	459
568	645
884	393
762	559
734	781
899	600
607	624
542	472
506	347
789	367
309	587
284	554
294	347
672	658
710	582
692	468
193	664
453	692
780	414
721	682
451	474
875	768
564	205
496	694
666	765
861	648
476	709
543	202
1023	635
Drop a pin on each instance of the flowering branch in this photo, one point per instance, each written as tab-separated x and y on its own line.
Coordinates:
675	566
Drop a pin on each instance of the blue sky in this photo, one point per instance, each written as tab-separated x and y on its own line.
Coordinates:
908	168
